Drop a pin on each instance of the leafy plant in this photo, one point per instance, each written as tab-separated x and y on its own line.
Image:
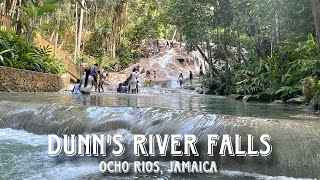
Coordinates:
18	53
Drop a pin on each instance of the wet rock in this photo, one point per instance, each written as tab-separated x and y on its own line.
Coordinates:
239	97
265	97
277	102
190	87
199	90
298	100
315	103
232	96
19	80
250	98
202	90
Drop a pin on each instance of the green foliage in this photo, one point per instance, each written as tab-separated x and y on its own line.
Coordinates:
282	73
17	53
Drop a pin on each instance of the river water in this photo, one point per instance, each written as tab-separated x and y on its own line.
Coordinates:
27	118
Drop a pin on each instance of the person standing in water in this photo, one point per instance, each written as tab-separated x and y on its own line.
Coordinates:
101	81
180	79
86	83
76	88
138	73
133	81
191	77
93	73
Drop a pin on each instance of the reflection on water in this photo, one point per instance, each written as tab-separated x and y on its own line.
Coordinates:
175	101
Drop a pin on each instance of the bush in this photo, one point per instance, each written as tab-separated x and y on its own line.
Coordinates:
282	73
15	52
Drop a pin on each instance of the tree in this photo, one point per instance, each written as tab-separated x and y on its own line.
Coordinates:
316	16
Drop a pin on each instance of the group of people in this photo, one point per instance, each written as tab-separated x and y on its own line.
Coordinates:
92	77
181	79
131	85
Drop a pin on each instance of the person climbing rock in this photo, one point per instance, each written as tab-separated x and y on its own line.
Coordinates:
148	73
154	75
149	83
180	79
201	71
191	77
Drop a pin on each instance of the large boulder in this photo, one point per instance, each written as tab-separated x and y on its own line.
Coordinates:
250	98
277	102
232	96
307	89
202	90
297	101
239	97
314	103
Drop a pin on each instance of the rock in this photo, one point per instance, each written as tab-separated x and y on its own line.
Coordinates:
239	97
190	87
265	97
206	91
66	80
232	96
307	89
277	102
199	90
298	100
250	98
19	80
202	90
314	103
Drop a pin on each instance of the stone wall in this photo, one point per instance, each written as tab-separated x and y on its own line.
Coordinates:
18	80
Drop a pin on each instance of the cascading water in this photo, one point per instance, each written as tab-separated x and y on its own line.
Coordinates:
295	133
167	66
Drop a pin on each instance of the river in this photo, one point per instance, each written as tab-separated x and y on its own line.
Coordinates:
27	118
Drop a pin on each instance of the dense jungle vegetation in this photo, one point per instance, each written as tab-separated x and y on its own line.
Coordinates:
251	46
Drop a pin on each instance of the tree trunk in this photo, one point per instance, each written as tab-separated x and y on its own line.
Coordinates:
316	17
13	8
210	62
76	35
95	13
56	43
277	29
80	28
174	34
238	45
116	26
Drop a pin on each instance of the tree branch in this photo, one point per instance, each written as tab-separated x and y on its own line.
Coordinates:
202	54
